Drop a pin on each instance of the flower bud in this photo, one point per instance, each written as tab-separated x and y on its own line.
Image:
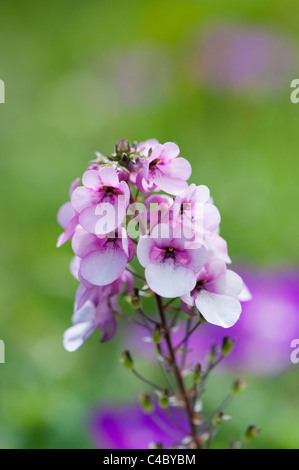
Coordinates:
156	445
196	375
213	353
238	385
251	433
146	402
135	299
122	146
163	399
227	346
157	337
126	360
220	418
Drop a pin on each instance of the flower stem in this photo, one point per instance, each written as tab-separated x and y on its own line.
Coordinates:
177	371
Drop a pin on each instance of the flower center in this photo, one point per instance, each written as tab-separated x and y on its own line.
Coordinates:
154	163
169	252
108	189
200	284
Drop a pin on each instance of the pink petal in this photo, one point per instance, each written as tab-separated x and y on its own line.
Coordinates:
90	179
102	218
220	310
105	320
170	150
126	191
83	197
74	185
84	242
179	168
74	267
144	248
104	266
211	217
198	257
65	214
169	278
69	231
168	184
109	177
187	309
202	194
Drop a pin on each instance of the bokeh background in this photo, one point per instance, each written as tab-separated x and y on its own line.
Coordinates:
213	77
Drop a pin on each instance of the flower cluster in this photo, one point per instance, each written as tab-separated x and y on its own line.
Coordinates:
122	203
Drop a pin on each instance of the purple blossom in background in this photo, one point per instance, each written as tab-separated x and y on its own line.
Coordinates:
239	58
129	427
263	333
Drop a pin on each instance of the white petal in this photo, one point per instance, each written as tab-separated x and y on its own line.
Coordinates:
75	336
169	278
144	247
220	310
245	294
85	314
229	283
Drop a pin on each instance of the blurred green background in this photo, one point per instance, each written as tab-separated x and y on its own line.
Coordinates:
79	76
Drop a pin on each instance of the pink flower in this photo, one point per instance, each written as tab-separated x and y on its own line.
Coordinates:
67	217
94	307
217	294
162	170
103	259
102	201
194	212
157	206
170	268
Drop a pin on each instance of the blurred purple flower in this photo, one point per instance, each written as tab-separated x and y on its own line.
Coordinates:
263	333
236	57
140	75
127	426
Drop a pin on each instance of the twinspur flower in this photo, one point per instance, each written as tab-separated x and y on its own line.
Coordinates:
177	243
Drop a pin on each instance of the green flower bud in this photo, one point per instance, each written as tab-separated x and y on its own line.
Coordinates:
196	374
227	346
213	353
126	360
146	402
157	337
251	433
238	385
163	399
135	299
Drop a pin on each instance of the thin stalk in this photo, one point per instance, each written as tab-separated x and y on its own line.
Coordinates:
177	372
148	382
187	335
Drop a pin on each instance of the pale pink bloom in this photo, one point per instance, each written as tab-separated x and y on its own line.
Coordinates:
162	170
67	217
216	246
102	201
194	213
103	259
217	294
144	147
170	268
157	208
94	307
